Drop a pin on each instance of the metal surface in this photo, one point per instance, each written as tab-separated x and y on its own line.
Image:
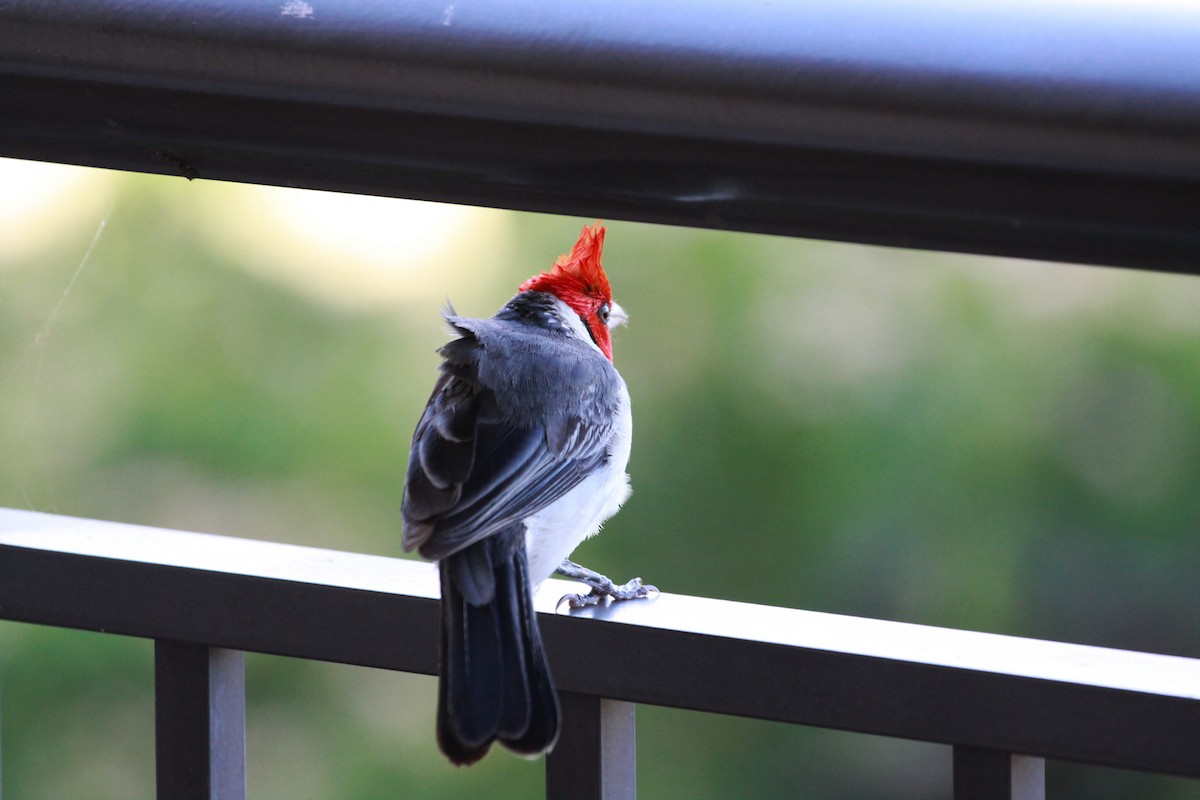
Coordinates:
992	775
959	687
199	722
1055	129
233	593
596	756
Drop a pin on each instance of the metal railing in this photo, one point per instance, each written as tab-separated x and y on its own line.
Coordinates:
1004	703
1040	128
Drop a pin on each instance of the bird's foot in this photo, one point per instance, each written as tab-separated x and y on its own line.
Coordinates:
602	587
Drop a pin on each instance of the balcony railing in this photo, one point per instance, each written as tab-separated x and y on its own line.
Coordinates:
1004	703
1050	130
1040	128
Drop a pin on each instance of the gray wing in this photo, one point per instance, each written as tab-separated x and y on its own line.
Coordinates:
476	467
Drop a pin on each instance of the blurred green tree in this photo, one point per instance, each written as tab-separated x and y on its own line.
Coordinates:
949	440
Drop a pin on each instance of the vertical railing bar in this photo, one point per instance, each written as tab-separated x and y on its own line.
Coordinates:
1	750
596	754
227	723
199	722
982	774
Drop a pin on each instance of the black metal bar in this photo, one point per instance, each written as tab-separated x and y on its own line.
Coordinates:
1043	129
1048	699
596	755
981	774
199	721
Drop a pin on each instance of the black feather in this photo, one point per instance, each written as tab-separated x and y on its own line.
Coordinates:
545	714
495	681
423	500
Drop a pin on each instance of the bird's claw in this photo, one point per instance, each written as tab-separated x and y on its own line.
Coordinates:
634	590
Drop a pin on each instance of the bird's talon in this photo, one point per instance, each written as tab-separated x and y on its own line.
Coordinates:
633	590
574	601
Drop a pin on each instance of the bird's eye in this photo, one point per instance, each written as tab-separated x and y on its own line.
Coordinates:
602	312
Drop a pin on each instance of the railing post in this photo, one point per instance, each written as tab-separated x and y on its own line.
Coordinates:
199	722
596	755
981	774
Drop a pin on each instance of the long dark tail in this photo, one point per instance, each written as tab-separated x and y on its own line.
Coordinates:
495	680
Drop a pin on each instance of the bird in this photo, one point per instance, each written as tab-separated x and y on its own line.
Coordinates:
519	455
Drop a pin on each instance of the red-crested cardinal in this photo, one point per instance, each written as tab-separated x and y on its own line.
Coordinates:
519	456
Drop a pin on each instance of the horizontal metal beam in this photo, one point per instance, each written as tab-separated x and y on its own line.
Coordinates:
1000	693
1040	128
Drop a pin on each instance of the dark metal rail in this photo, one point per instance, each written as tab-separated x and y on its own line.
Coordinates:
1004	703
1040	128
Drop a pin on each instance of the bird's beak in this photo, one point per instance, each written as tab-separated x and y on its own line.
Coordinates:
616	315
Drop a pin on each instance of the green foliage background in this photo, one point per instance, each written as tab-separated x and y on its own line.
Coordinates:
979	443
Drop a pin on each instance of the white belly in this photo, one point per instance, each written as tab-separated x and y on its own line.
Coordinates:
552	533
